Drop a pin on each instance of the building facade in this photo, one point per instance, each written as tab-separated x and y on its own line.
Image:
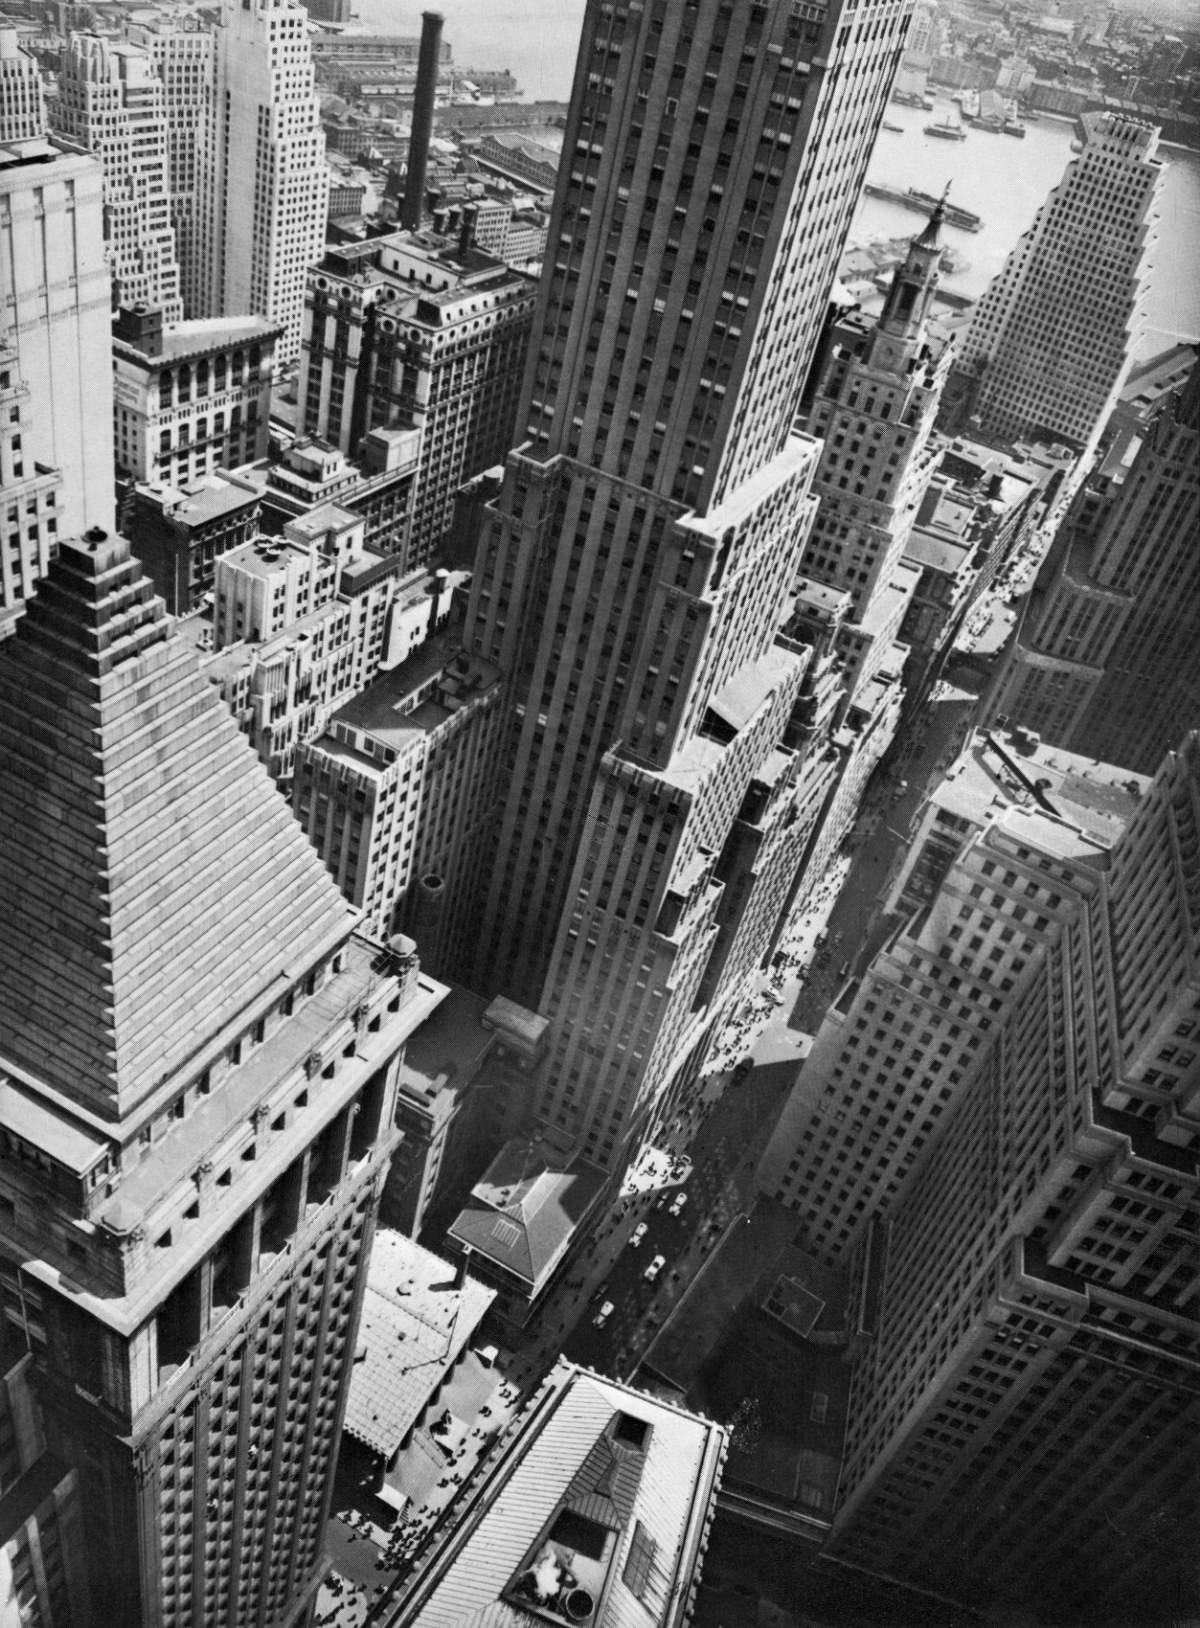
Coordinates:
1106	662
56	312
111	101
30	492
1049	344
22	102
43	1570
389	793
635	571
302	622
179	533
1022	1433
184	59
262	179
190	397
199	1068
873	409
416	332
1002	853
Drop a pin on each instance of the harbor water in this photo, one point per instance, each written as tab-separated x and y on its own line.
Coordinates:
1000	178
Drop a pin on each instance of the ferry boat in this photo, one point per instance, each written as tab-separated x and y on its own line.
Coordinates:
924	203
946	130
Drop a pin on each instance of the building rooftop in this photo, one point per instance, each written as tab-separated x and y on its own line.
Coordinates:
1000	774
206	498
181	340
416	1319
596	1488
449	1045
526	1207
382	710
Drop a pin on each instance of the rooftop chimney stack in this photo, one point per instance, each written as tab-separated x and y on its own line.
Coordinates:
422	120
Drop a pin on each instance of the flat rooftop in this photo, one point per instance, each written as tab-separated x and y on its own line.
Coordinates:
416	1318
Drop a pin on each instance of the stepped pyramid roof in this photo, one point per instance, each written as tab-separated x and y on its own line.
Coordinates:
153	882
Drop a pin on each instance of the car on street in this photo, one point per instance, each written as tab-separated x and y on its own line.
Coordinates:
603	1315
654	1268
638	1233
680	1201
599	1294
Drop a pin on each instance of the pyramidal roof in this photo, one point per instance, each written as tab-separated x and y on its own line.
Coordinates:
153	881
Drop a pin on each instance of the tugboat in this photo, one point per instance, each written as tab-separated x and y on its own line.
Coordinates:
896	129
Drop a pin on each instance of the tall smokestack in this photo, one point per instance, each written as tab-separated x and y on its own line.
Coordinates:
422	119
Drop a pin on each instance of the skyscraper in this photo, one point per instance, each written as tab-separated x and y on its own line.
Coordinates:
58	316
637	566
30	492
198	1062
1106	663
262	180
1023	1431
183	56
1005	847
22	105
1051	340
874	409
111	101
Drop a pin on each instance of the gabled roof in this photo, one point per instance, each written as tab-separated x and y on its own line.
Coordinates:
153	882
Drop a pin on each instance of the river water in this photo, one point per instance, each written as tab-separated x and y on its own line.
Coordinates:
1000	178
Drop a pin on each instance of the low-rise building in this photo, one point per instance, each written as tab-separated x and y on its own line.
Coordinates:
389	793
301	622
178	533
419	1315
460	1092
190	397
595	1508
523	1215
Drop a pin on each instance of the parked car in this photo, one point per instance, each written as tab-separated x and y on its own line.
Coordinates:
599	1294
638	1233
654	1268
603	1315
679	1202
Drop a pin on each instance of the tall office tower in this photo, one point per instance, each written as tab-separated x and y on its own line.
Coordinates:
22	104
417	331
1004	849
57	314
1050	343
1107	665
198	1059
874	409
263	186
1023	1431
639	562
184	59
111	101
30	493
